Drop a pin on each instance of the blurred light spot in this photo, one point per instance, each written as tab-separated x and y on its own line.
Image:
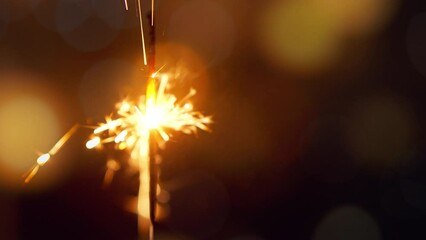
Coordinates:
200	207
204	26
71	14
185	68
416	38
296	34
13	10
92	35
162	212
27	125
114	14
101	87
307	35
45	12
25	94
163	197
76	22
380	131
349	223
358	17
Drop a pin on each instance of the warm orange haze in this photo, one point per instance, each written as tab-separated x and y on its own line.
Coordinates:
212	119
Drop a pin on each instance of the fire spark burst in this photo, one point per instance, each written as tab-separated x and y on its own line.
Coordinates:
158	111
134	128
139	126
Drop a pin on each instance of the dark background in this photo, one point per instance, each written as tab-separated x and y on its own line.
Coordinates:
318	121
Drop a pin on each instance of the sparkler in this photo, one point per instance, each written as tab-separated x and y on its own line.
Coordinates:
140	126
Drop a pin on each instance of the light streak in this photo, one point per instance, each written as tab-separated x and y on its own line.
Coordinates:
145	61
44	158
152	12
126	5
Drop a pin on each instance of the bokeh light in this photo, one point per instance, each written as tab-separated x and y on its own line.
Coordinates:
335	74
358	17
102	86
92	35
349	223
297	35
204	26
30	125
71	14
11	11
310	35
114	14
186	69
380	131
44	12
78	23
27	124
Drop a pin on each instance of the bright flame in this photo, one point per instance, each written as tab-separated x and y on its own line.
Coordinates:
136	125
157	111
137	122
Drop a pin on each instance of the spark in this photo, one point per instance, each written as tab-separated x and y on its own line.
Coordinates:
158	111
154	115
145	61
137	126
126	5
